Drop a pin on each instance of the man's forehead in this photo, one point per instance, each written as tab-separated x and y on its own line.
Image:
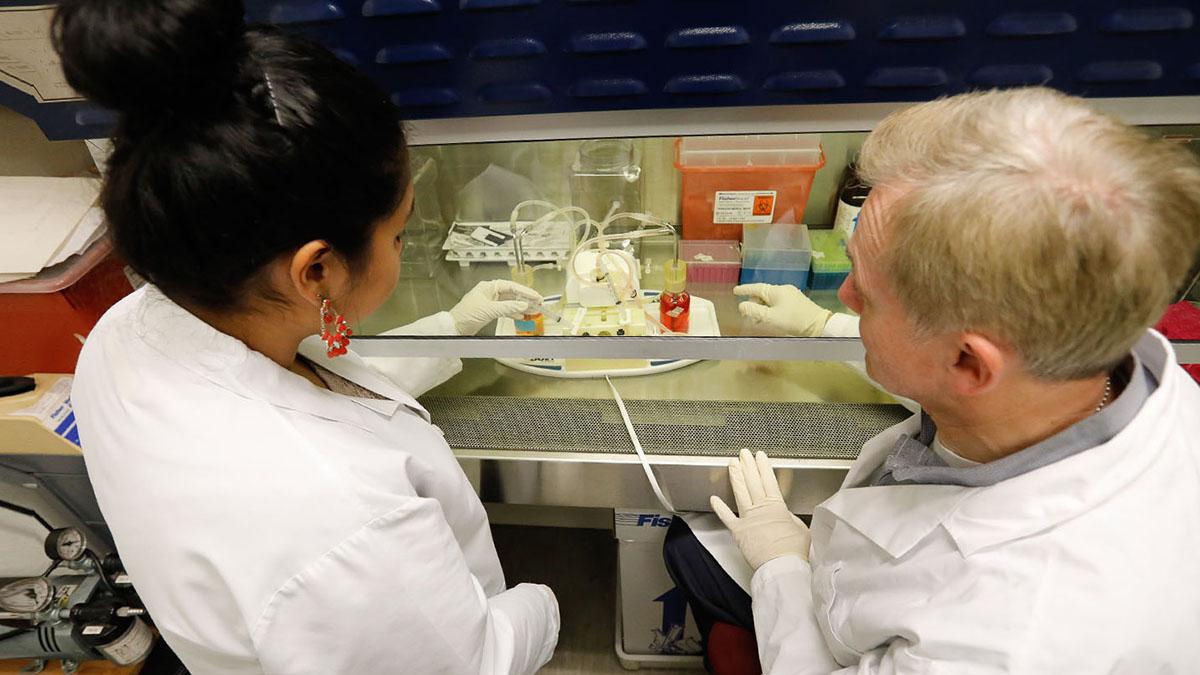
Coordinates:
867	239
871	231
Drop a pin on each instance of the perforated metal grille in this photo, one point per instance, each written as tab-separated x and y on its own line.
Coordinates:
795	430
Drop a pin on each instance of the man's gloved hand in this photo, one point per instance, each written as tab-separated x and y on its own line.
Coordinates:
784	308
764	529
490	300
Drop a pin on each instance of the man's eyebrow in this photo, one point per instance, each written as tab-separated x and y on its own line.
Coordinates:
861	291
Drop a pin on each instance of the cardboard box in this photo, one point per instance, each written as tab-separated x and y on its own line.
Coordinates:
655	618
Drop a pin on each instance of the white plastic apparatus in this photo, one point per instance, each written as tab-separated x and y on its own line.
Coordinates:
603	278
603	294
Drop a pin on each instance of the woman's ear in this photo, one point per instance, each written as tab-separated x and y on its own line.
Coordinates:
317	272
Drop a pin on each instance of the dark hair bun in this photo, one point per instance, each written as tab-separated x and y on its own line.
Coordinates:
150	55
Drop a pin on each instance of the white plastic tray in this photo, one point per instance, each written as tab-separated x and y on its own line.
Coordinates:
703	322
551	244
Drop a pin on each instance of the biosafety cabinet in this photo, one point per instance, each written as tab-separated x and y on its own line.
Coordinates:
610	228
615	154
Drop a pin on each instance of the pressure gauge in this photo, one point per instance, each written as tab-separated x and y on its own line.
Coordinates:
66	543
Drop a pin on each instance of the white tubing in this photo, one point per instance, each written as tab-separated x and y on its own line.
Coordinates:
555	211
637	446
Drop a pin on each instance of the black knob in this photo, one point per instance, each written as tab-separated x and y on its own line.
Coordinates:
11	386
111	564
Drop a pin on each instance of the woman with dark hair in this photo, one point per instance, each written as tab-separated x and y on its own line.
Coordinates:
280	510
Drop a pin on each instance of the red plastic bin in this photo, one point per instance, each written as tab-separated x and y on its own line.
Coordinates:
50	313
732	180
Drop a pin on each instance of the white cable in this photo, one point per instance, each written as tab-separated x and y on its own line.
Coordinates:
637	446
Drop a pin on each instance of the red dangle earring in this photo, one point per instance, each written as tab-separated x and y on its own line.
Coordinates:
334	330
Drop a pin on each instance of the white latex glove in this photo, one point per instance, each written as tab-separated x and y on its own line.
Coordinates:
490	300
784	308
764	529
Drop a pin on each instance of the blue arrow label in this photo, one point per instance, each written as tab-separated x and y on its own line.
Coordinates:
674	609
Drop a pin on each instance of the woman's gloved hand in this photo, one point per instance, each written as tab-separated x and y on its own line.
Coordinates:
764	529
490	300
784	308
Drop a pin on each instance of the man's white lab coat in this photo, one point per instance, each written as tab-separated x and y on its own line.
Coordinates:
273	527
1088	565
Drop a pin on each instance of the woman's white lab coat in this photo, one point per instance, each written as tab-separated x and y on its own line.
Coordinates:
1088	565
274	527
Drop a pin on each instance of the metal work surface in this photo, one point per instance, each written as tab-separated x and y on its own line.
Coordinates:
793	430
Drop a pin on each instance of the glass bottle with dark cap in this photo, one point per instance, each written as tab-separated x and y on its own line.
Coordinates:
851	195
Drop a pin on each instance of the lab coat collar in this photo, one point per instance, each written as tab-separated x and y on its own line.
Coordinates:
895	517
876	450
227	362
898	517
351	367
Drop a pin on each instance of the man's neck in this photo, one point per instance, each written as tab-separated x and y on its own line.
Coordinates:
1021	414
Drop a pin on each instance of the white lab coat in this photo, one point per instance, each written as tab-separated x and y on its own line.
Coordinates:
1088	565
273	527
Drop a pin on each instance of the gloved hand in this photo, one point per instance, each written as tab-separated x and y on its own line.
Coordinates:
490	300
784	308
764	529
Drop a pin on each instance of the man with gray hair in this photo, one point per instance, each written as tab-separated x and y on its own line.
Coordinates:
1041	514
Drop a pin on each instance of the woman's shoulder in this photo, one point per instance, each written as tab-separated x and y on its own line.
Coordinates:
140	319
148	343
115	320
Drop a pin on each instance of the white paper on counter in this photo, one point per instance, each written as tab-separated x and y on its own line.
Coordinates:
37	215
715	538
90	228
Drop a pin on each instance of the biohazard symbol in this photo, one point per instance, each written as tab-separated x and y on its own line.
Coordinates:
764	205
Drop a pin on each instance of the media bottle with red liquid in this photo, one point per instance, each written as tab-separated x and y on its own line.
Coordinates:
674	304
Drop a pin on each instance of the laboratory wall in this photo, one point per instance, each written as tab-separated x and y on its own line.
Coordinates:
25	150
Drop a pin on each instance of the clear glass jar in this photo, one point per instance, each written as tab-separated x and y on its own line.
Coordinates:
606	178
